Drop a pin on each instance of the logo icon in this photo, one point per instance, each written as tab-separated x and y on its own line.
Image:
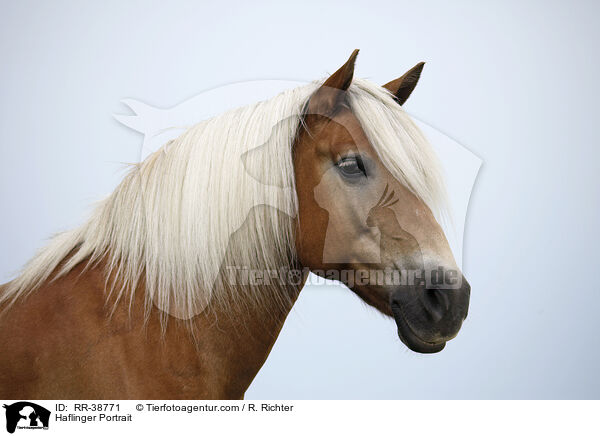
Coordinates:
26	415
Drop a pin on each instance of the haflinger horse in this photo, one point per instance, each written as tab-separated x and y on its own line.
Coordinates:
167	291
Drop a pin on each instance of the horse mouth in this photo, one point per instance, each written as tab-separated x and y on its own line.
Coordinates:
410	338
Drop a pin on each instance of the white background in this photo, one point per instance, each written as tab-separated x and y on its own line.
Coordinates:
515	82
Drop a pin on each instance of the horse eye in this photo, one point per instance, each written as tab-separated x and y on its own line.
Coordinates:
351	167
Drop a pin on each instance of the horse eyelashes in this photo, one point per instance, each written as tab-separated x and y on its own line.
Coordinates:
352	167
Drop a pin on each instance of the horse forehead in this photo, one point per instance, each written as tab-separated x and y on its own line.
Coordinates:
343	130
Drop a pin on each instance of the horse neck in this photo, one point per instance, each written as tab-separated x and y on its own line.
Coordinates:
214	355
222	349
235	340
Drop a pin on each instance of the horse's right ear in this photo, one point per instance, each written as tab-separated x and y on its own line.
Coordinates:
328	97
403	86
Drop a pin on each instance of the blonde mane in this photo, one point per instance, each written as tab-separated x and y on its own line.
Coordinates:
179	214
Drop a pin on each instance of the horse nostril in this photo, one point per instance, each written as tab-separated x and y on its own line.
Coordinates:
436	303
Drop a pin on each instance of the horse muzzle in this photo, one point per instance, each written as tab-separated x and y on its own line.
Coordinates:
427	318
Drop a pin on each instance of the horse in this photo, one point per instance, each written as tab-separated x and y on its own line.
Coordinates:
180	281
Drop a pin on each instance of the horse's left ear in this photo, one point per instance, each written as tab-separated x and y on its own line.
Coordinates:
403	86
331	93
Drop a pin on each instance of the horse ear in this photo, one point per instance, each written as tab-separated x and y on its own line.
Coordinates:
327	98
403	86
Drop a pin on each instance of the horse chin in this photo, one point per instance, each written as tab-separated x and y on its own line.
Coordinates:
410	338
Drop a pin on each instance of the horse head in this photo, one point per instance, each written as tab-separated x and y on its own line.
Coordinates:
365	184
